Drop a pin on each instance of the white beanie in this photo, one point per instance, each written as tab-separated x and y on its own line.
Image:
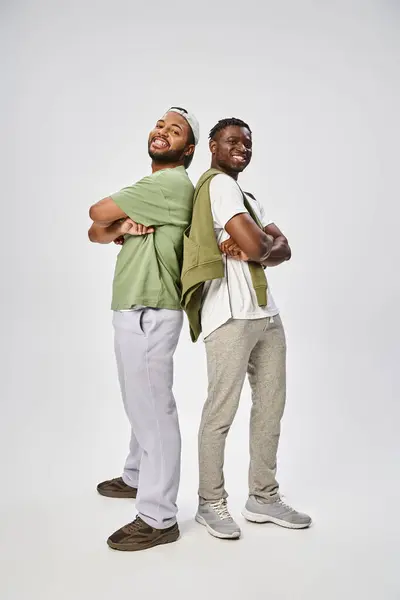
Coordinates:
190	118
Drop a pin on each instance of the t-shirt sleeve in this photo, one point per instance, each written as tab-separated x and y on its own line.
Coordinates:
226	200
264	219
144	202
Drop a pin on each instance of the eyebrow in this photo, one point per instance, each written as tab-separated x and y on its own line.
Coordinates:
172	124
237	137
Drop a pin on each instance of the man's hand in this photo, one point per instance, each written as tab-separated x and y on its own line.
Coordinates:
281	251
130	227
115	232
231	249
119	240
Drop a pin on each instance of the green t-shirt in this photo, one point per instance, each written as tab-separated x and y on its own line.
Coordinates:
148	267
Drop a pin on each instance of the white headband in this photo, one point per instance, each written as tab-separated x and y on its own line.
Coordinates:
190	118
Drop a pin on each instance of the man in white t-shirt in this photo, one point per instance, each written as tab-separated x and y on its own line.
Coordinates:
241	337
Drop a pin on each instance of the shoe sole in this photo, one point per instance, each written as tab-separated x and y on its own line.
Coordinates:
222	536
111	494
258	518
167	539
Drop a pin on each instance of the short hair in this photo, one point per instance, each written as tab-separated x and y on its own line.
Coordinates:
223	123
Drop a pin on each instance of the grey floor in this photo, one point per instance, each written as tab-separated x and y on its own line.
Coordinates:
54	525
55	548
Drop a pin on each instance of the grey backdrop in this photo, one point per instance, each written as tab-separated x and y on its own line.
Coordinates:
82	84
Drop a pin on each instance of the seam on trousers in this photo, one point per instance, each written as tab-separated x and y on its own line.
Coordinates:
256	397
121	365
209	410
158	425
122	382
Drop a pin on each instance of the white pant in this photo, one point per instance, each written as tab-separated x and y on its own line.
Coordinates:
145	342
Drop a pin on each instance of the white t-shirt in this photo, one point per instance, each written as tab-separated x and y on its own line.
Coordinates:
232	296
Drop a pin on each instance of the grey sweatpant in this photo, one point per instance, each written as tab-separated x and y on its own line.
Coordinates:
256	347
145	342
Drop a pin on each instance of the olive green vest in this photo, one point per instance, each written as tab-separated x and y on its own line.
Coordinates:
202	258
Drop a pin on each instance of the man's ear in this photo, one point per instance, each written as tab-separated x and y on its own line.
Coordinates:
190	150
213	146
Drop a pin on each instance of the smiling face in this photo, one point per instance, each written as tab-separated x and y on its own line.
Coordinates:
170	142
231	150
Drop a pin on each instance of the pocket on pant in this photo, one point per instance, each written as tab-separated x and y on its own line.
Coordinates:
129	320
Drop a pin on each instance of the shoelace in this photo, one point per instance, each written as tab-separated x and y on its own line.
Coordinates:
284	505
221	508
134	526
117	481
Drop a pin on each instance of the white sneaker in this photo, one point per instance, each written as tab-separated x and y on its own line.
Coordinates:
216	517
276	512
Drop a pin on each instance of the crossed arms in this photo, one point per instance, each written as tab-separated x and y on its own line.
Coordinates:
247	241
110	223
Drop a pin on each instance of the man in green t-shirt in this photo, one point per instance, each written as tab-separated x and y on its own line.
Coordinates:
149	219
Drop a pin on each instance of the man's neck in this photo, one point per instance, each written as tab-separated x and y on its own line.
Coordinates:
232	174
157	166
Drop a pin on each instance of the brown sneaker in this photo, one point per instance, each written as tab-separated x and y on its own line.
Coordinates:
116	488
140	536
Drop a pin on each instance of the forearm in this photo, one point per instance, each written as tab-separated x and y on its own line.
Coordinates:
105	235
267	249
280	253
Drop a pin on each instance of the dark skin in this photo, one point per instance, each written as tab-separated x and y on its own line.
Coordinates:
231	153
280	251
168	146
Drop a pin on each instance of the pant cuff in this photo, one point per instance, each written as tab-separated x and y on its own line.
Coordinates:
203	499
128	482
266	498
156	525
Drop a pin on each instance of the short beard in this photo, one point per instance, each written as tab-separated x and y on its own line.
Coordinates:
170	156
231	168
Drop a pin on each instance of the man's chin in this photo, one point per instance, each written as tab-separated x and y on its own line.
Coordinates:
237	168
163	156
159	156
